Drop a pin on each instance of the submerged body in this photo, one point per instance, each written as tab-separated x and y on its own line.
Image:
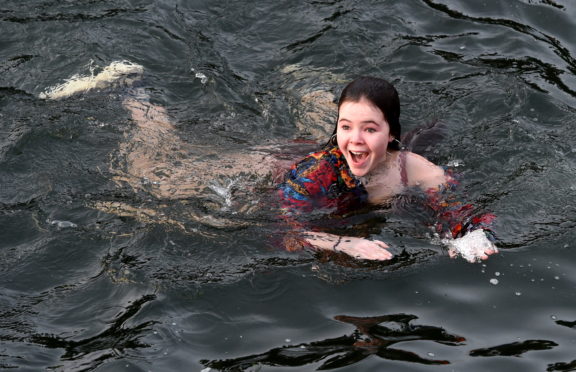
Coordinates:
362	165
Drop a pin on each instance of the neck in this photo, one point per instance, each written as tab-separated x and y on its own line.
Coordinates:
381	168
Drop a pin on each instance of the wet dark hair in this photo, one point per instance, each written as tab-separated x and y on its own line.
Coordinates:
381	94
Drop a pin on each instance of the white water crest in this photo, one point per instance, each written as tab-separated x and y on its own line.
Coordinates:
80	84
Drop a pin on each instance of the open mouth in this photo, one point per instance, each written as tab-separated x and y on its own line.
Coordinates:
358	156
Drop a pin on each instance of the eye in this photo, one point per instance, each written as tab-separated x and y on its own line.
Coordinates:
344	127
371	130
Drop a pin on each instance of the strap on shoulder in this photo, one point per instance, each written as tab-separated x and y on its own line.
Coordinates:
403	173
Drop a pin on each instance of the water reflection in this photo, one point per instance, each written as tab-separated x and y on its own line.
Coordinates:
108	344
371	337
514	348
526	65
562	366
483	68
566	323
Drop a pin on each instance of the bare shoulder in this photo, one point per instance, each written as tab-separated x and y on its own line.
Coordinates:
422	172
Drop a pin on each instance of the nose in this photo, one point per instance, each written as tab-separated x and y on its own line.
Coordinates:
356	136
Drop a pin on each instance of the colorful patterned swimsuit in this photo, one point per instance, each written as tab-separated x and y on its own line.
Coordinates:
323	182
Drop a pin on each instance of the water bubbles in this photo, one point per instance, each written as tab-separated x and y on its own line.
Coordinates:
494	281
288	340
557	277
462	47
430	354
553	317
198	75
518	293
497	273
455	163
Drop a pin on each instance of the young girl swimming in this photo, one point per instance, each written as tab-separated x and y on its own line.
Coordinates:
364	164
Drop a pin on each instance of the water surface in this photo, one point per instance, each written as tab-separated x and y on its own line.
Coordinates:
82	289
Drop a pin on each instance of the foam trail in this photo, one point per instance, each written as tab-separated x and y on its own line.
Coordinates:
471	246
225	192
79	84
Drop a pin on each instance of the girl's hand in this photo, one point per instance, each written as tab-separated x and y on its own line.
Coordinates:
473	246
363	248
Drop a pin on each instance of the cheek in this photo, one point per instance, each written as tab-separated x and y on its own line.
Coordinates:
340	138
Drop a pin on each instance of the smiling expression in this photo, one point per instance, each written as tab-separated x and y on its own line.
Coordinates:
363	136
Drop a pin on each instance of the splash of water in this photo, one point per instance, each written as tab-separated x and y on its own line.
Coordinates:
471	246
224	191
109	75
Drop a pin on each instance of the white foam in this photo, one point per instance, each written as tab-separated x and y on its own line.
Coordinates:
224	191
78	84
471	246
62	224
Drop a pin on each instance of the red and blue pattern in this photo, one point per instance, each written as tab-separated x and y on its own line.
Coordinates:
321	181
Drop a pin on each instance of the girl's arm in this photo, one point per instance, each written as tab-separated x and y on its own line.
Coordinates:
359	248
300	196
465	231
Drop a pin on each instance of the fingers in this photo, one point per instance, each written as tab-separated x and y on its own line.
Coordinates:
365	249
487	252
491	250
381	244
374	250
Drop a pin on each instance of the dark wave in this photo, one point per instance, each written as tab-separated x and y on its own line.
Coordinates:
107	344
547	71
514	348
70	17
372	337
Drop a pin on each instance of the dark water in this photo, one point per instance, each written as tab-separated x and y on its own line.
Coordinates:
113	293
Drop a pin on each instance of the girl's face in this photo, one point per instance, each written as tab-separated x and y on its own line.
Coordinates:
363	136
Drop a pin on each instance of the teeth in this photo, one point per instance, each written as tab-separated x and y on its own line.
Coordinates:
358	155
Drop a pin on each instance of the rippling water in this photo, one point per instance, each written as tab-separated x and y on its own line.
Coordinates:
82	289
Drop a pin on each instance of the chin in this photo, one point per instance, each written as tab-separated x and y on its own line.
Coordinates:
359	172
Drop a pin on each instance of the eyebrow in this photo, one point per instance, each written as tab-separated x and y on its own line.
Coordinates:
362	122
